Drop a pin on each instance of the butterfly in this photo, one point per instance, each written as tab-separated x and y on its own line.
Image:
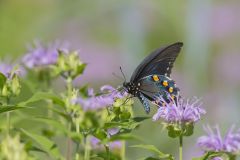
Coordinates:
151	78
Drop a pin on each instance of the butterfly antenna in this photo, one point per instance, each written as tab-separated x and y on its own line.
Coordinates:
123	74
114	74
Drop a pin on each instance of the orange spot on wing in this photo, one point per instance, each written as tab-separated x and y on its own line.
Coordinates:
155	78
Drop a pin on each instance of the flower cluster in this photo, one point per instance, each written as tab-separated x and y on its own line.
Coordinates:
179	110
41	56
107	98
213	141
178	115
115	145
5	68
10	83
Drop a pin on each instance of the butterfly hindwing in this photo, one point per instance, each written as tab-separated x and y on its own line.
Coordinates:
153	85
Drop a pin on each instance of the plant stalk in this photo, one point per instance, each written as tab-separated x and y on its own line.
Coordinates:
123	150
107	151
87	149
69	146
181	147
69	141
8	117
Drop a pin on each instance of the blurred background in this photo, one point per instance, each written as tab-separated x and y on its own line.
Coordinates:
111	33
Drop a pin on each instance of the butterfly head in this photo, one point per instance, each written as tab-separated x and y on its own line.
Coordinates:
131	88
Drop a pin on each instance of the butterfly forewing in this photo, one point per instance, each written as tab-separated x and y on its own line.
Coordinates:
158	62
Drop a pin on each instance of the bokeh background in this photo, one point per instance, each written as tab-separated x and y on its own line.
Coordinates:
113	33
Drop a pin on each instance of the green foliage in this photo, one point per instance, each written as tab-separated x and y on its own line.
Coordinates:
177	130
68	65
9	108
159	155
39	96
47	145
12	149
3	80
211	155
10	86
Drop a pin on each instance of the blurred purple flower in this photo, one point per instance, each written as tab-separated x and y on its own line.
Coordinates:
179	111
95	142
213	141
109	94
7	68
41	55
217	158
224	20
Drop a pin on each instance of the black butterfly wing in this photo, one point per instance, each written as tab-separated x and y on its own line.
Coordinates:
158	62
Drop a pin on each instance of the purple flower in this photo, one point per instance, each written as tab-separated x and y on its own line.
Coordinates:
96	144
7	68
179	111
217	158
213	141
108	97
42	56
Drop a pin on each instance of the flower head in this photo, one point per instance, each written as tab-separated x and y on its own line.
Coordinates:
8	69
12	148
107	98
5	68
213	141
96	143
42	56
179	110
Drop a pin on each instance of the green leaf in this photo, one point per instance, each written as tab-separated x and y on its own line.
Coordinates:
125	115
140	119
43	96
211	155
4	109
81	68
100	134
53	123
62	114
173	131
124	137
46	144
151	158
188	129
3	80
153	149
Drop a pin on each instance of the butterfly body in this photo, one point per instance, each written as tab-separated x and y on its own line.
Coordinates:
152	77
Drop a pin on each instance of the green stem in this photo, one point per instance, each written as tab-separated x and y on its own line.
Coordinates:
180	148
107	151
69	86
69	146
8	117
87	149
8	123
123	150
77	128
69	141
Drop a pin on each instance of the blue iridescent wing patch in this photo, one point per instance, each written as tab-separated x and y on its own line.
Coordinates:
158	85
145	102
